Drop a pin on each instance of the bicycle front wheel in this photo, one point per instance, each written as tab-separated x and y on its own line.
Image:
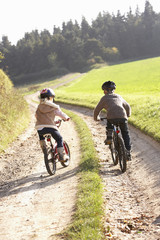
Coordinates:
50	161
67	155
122	155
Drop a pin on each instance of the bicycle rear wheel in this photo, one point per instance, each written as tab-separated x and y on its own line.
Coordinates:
114	152
50	161
67	154
122	155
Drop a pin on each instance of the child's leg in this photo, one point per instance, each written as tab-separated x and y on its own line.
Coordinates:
57	136
125	134
109	133
42	141
60	149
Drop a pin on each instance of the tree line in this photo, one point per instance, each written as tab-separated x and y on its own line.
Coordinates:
73	47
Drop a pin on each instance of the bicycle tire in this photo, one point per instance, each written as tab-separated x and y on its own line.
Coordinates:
67	152
50	161
122	155
114	152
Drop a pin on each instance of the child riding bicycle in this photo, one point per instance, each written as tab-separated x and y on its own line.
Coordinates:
46	112
117	110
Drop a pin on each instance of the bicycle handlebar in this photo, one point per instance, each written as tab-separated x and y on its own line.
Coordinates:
59	121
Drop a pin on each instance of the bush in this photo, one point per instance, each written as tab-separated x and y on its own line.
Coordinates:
5	84
111	54
98	59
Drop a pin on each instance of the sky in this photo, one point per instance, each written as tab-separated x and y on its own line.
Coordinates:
20	16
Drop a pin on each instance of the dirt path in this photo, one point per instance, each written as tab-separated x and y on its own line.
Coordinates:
132	199
36	206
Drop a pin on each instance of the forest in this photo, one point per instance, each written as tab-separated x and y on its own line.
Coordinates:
75	47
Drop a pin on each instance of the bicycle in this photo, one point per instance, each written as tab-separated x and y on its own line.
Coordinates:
117	148
51	156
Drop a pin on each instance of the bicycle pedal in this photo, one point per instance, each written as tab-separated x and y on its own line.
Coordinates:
63	160
107	142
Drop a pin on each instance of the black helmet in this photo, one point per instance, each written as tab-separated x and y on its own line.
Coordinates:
109	85
46	93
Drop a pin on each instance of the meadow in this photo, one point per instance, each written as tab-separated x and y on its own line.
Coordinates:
137	82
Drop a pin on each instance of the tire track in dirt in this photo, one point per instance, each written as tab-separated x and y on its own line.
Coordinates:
34	205
132	199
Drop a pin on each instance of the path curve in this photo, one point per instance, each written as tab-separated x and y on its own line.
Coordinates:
34	205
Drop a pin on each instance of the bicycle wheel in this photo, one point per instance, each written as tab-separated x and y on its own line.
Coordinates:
67	154
122	155
50	161
114	152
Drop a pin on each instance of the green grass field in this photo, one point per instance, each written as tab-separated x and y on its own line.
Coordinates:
137	82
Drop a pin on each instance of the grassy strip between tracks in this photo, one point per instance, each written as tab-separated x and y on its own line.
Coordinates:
88	218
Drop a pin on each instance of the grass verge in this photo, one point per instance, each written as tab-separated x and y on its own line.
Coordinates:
87	220
14	118
14	112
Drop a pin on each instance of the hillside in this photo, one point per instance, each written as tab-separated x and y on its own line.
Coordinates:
48	205
14	113
137	82
131	200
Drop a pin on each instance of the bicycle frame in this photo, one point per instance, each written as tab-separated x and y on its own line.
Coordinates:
52	145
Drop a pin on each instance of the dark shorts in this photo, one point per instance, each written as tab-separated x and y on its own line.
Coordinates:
55	134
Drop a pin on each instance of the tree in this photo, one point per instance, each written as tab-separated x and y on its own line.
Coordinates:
1	56
92	48
108	38
5	45
156	36
130	35
85	29
148	20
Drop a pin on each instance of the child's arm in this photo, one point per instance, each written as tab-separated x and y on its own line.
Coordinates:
97	110
59	113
